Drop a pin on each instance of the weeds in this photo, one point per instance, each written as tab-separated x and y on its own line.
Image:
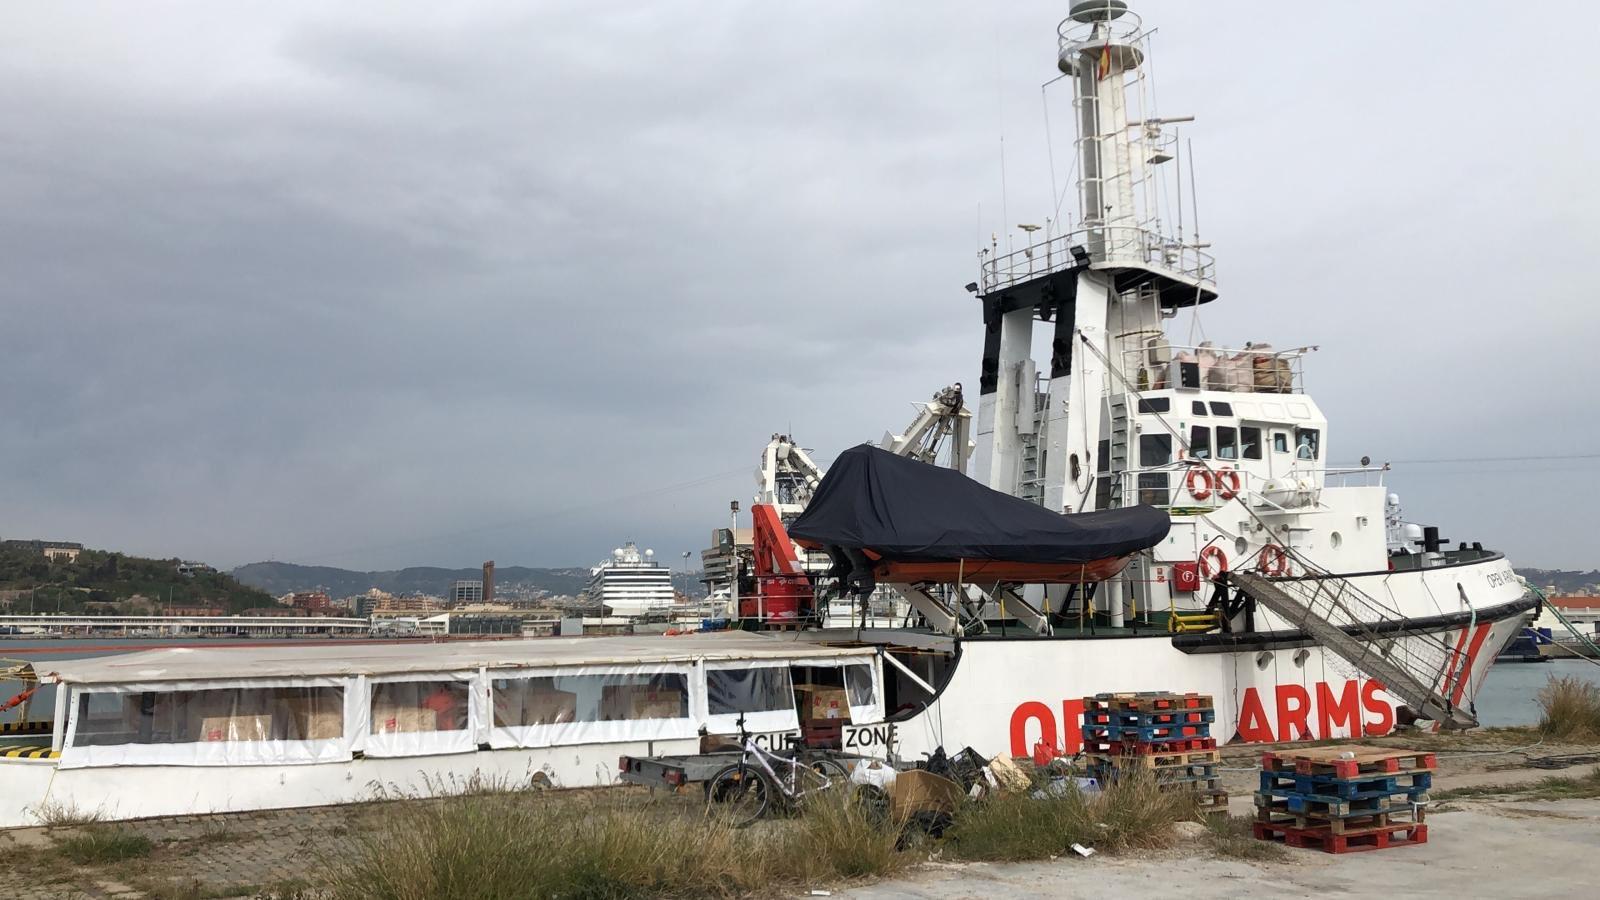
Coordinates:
97	844
1232	837
1571	708
507	846
52	814
1133	813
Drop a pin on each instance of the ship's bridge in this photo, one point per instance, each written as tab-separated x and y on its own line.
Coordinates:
1206	424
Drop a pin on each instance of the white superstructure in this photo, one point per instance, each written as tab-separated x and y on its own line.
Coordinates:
631	583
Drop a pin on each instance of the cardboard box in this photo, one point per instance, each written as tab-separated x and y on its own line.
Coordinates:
403	719
637	701
236	728
547	707
305	720
823	703
920	791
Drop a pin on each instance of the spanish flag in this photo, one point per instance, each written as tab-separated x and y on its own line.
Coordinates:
1105	61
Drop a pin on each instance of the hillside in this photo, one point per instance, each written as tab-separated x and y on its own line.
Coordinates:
102	581
1566	581
280	578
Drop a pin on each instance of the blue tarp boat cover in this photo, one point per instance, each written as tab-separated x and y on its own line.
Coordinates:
910	511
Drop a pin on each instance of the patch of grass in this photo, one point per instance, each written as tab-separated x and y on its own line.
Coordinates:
1232	837
1134	813
60	815
1559	787
1570	708
498	847
97	844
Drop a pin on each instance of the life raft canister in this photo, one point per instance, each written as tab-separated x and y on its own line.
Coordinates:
1213	562
1202	490
1273	560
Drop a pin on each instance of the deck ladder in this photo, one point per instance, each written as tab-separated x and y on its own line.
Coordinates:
1371	637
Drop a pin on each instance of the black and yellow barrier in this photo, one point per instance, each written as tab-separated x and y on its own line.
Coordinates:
27	753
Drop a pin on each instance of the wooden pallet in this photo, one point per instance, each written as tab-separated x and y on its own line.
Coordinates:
1348	825
1333	807
1160	759
1163	773
1381	838
1361	760
1135	718
1282	783
1212	801
1148	701
1148	748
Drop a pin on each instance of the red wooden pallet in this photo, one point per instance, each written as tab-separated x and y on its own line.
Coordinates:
1363	761
1381	838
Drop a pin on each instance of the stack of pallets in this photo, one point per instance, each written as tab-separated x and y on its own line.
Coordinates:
1162	734
1342	799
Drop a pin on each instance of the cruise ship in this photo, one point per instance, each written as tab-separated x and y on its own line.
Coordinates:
631	583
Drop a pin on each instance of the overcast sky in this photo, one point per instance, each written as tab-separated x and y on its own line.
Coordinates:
378	284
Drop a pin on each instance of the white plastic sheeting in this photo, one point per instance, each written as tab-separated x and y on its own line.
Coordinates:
424	714
210	723
760	691
595	704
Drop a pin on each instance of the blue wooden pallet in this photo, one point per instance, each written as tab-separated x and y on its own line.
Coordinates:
1286	783
1149	734
1334	807
1158	718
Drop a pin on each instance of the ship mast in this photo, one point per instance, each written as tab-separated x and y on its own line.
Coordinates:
1103	286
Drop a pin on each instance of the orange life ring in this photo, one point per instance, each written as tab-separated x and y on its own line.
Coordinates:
1228	483
1273	560
1203	490
1208	569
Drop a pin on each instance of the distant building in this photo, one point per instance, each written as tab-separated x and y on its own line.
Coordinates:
209	609
52	550
488	581
274	612
190	569
311	603
414	604
465	593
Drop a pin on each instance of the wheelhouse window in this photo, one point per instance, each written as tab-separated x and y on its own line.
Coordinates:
1155	450
1220	408
1153	489
1307	443
1200	442
1250	439
1155	404
1199	407
1227	442
1280	442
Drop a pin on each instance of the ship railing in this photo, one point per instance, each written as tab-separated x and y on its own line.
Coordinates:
1160	366
1355	476
1166	486
1103	246
1073	34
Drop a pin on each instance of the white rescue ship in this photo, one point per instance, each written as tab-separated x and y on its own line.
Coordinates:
1161	518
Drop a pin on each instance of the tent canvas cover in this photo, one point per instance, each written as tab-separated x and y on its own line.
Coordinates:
904	510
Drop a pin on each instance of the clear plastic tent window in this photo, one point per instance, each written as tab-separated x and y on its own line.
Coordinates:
420	715
593	705
208	726
761	695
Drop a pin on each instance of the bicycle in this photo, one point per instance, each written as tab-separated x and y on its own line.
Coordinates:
747	790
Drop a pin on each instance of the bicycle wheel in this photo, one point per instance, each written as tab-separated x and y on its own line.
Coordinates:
739	792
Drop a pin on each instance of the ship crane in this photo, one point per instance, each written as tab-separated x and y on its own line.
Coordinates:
784	572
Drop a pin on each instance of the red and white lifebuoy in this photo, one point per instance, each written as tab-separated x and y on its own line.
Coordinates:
1273	560
1228	483
1199	483
1213	562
